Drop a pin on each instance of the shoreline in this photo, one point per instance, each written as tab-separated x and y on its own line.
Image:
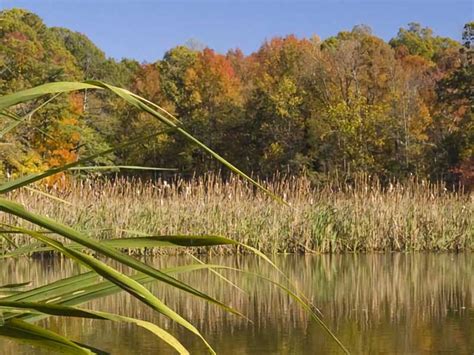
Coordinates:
357	218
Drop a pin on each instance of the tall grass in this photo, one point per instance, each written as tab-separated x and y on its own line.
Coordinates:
336	217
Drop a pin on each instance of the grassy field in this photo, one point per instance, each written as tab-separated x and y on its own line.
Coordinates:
361	217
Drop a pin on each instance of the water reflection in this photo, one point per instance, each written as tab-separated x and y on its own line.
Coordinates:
393	304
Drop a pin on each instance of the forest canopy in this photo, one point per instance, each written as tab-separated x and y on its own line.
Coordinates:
351	103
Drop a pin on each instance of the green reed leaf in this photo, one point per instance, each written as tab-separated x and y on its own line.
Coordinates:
38	336
99	247
67	311
121	280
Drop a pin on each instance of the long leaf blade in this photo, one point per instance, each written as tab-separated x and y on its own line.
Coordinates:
71	234
42	90
123	281
38	336
67	311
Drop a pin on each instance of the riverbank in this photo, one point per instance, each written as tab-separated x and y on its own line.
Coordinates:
361	217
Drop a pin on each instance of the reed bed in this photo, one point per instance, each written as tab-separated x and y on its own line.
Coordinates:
360	216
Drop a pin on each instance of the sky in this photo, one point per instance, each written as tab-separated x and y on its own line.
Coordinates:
146	29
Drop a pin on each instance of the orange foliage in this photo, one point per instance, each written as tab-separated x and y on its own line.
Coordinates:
213	76
281	53
59	148
76	103
147	82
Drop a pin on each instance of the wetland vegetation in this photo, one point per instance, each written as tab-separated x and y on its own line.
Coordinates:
362	216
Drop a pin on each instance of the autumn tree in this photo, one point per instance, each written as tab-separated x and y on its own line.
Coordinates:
30	55
453	132
349	104
278	123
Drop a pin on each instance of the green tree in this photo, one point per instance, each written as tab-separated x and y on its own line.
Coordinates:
420	41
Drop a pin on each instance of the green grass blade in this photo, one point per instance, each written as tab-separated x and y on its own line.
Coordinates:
42	90
8	239
108	250
162	241
26	250
37	336
124	167
15	285
159	108
121	280
67	311
10	115
82	288
57	288
19	121
73	235
51	309
169	241
106	288
218	274
305	305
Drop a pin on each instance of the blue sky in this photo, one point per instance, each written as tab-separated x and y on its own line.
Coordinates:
145	29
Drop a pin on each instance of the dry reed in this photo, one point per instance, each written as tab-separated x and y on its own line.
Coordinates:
358	217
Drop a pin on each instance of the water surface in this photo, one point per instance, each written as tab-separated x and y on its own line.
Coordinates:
376	303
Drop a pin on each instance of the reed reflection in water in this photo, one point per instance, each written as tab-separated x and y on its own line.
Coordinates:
376	303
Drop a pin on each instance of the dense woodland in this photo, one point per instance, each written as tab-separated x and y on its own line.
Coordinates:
347	104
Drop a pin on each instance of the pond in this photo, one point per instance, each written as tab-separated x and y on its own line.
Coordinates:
375	303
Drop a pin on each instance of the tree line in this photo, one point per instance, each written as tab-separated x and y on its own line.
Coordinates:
344	105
